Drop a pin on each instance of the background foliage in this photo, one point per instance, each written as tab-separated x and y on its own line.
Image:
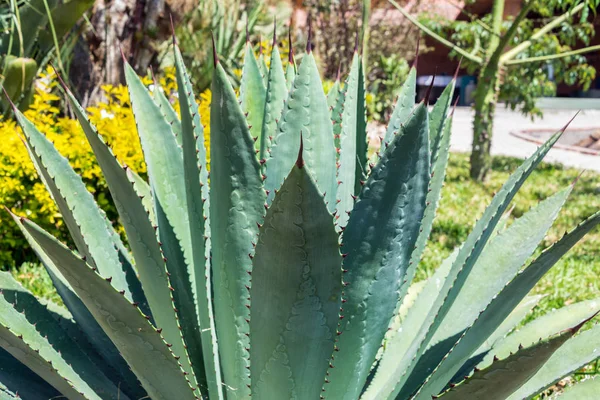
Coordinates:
522	84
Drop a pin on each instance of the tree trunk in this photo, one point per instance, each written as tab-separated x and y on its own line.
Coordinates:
486	97
136	27
483	124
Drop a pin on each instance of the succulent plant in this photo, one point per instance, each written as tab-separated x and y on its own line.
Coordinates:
289	273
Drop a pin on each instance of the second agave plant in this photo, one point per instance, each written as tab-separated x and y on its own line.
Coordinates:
288	274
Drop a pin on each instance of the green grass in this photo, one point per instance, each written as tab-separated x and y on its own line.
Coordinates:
35	278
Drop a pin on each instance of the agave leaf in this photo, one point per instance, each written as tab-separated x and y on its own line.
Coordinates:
142	189
403	108
164	160
17	378
252	94
142	238
65	337
333	93
513	319
487	321
502	223
337	110
575	354
409	301
306	114
167	111
585	390
137	340
542	327
196	188
262	66
396	324
516	316
580	352
290	70
438	117
465	260
378	247
383	381
501	378
275	98
68	338
83	217
438	174
296	289
352	150
6	394
85	320
494	269
50	353
237	202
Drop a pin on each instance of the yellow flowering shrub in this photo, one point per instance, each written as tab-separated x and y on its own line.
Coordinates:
23	192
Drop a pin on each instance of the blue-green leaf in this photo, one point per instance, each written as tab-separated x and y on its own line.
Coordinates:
403	108
86	222
305	113
164	160
252	94
85	320
237	202
501	378
262	66
34	337
378	241
494	269
542	328
498	308
167	111
142	238
17	378
434	193
138	341
465	260
275	98
438	117
203	340
333	93
575	354
384	380
296	293
290	70
353	150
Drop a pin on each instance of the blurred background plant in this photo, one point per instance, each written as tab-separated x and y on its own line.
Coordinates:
33	33
387	75
337	23
225	19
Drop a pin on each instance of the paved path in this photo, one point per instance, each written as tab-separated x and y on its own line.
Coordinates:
503	143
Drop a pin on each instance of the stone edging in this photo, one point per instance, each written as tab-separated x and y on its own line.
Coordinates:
525	135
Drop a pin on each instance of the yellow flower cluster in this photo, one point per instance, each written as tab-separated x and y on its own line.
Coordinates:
23	192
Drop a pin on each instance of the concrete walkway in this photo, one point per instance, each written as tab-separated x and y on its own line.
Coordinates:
503	143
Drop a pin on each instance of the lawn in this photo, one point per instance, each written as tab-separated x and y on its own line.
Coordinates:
573	279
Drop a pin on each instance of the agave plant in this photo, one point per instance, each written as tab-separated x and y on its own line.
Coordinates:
288	273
